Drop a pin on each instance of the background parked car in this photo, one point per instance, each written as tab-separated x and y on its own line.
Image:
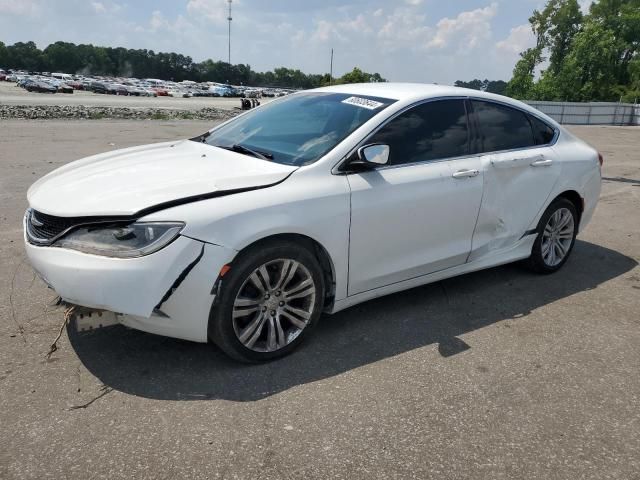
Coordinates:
98	87
161	92
64	88
41	87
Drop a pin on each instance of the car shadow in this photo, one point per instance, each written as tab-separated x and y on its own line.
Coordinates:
162	368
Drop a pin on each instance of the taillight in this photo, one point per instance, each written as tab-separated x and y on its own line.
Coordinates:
600	158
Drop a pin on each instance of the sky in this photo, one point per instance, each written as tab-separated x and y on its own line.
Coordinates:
403	40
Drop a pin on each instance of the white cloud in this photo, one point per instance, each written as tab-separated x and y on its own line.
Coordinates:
99	7
215	11
404	28
413	3
467	30
358	25
298	37
159	22
19	7
339	31
323	32
520	38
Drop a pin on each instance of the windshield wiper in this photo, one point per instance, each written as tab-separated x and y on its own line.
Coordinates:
247	151
201	138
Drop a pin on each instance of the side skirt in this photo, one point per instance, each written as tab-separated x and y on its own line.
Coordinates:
519	251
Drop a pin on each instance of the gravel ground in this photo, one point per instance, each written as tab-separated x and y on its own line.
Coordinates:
496	374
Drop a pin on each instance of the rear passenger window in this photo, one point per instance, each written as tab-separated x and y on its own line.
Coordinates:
502	127
431	131
542	133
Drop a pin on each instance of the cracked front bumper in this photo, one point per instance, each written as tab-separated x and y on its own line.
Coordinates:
134	287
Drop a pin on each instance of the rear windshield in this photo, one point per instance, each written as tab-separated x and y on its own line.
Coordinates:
301	128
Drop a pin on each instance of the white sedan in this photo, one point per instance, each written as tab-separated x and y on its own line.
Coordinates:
312	203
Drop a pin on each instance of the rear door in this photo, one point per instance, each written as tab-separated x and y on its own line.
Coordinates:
520	170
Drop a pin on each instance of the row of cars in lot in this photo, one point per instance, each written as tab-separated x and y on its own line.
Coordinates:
45	82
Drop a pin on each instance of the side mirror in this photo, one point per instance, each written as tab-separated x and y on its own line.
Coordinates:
377	154
367	158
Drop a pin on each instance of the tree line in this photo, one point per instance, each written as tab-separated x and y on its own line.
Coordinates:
492	86
122	62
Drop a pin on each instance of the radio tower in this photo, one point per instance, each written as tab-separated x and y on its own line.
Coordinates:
229	18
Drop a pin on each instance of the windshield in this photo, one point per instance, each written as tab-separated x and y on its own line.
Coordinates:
299	129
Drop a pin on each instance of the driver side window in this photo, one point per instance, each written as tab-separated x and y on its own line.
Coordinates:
430	131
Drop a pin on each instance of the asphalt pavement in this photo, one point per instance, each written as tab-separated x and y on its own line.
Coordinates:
499	374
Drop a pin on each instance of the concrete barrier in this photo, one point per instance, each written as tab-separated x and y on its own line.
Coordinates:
593	113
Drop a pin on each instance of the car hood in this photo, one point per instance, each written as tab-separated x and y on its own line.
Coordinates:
125	182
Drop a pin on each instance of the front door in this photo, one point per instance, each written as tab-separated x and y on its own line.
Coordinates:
417	214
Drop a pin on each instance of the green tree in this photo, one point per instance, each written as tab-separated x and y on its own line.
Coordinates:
4	56
475	84
632	92
62	56
25	56
491	86
358	76
522	82
591	57
589	70
498	87
555	27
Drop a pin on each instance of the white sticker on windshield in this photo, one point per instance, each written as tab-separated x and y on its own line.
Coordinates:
363	102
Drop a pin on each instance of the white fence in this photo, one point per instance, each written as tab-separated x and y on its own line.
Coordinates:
594	113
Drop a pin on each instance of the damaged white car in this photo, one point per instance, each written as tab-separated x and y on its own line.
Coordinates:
311	203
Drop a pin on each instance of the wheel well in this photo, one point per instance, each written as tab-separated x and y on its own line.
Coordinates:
312	246
575	198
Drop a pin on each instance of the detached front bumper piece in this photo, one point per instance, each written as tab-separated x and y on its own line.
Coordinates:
168	292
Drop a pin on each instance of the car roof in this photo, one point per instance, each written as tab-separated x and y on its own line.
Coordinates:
407	93
398	91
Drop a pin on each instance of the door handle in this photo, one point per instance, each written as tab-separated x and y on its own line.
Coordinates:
542	163
466	173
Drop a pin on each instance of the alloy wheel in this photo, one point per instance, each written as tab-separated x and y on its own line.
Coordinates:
557	237
274	305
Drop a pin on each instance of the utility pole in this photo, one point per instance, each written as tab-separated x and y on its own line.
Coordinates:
229	18
331	69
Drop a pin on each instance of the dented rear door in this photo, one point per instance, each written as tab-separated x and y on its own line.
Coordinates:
518	177
516	188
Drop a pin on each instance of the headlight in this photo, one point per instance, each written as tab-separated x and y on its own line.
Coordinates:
133	240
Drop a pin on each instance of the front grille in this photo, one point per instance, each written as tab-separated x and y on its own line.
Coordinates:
43	228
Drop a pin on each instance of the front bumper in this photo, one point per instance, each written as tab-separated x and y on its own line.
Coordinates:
180	277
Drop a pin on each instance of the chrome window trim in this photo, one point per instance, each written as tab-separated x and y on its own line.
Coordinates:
335	170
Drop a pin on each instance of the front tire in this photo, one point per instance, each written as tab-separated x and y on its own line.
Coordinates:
557	232
269	301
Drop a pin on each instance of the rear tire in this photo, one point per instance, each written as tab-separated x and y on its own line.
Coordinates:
557	232
257	319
